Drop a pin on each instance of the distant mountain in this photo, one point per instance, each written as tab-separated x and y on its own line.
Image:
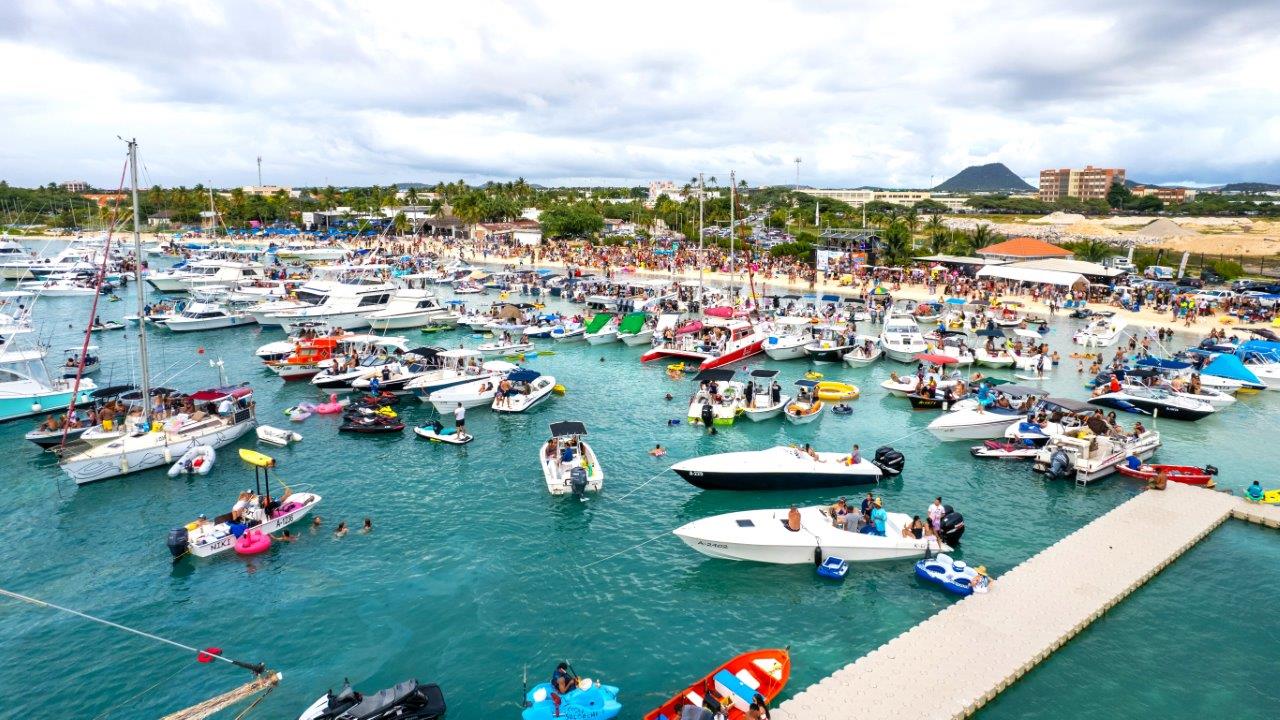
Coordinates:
993	177
1248	187
412	185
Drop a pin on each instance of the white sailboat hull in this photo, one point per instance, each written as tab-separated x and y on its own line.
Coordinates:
150	451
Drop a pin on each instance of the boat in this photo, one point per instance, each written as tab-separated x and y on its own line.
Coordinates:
568	332
525	390
198	274
951	345
714	341
829	344
762	673
72	366
196	461
786	468
54	286
306	358
408	309
378	352
265	312
763	536
207	316
26	387
901	338
1185	474
472	393
634	329
1084	457
805	408
602	328
865	351
337	304
502	348
457	367
996	356
788	338
276	436
369	422
953	575
762	405
979	418
409	700
569	465
80	257
204	538
719	399
1103	331
1005	450
588	700
439	433
395	377
1154	401
906	385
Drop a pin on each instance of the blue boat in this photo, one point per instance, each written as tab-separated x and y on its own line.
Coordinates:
588	701
26	388
953	575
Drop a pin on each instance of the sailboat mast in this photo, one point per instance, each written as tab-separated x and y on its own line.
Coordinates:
137	282
733	261
213	213
702	259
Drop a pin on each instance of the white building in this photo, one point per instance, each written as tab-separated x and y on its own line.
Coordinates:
528	236
269	190
658	188
861	197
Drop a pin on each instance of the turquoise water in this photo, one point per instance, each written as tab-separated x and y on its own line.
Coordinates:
474	572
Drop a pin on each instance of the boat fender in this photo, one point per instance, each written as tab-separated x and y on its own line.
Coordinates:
817	555
177	541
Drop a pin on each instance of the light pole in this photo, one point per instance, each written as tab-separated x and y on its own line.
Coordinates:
796	187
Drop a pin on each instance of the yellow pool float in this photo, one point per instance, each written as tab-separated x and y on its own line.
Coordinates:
836	391
813	375
676	367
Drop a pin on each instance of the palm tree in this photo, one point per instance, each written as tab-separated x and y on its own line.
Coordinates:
960	243
937	233
400	224
1091	250
983	236
895	240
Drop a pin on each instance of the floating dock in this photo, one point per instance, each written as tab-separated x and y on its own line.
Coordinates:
991	640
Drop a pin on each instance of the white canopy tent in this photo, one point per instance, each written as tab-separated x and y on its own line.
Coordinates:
1075	281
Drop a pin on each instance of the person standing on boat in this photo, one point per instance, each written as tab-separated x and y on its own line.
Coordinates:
879	516
775	393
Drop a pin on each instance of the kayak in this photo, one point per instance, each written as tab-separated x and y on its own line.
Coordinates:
734	685
1185	474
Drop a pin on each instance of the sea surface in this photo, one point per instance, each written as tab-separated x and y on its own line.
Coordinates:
474	576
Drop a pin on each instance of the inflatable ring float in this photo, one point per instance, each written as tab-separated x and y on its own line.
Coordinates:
836	391
813	375
676	367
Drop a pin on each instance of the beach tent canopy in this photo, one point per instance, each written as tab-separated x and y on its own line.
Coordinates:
1033	275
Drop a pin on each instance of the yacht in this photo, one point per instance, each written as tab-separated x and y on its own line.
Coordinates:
207	316
264	313
409	309
901	338
26	388
78	257
789	336
1100	332
204	273
456	368
60	285
337	304
971	420
715	341
311	252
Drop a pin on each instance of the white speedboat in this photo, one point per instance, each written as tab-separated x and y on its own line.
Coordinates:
719	397
806	407
501	348
569	465
26	388
71	367
207	316
407	309
713	342
788	338
1089	458
901	338
763	536
996	356
60	287
473	393
829	344
777	468
763	405
904	385
1154	401
866	351
409	366
569	332
457	367
969	419
1100	332
344	305
526	389
635	329
602	329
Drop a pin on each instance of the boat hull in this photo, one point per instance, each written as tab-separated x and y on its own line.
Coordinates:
26	405
105	467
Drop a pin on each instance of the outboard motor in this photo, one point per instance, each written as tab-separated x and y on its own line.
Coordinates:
177	541
952	527
578	482
1059	464
708	415
889	461
1210	470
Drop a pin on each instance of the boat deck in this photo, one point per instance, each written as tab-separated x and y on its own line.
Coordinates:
1032	610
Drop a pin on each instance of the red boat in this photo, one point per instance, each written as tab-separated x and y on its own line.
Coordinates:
734	684
1186	474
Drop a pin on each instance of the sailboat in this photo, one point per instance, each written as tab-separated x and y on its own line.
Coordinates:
219	415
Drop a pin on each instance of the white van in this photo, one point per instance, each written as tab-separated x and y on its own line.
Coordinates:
1158	272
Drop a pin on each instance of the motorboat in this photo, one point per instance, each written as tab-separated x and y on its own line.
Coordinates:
207	316
305	358
1048	418
714	341
568	332
784	468
829	344
338	304
311	253
602	328
473	393
1085	457
265	313
77	258
1006	314
569	465
762	404
395	377
995	351
865	351
739	681
1005	450
806	407
1154	401
437	432
951	345
222	415
901	338
1185	474
906	385
1102	331
587	700
763	536
719	399
635	329
198	274
408	309
409	700
72	366
987	415
524	389
502	348
60	286
204	538
26	387
375	352
457	367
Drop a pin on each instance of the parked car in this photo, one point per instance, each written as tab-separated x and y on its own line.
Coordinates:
1213	297
1189	282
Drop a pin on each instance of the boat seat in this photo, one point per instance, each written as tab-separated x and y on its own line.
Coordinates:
747	679
694	697
738	692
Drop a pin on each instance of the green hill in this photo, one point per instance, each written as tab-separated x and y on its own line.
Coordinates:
993	177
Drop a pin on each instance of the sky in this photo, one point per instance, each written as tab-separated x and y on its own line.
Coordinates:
567	93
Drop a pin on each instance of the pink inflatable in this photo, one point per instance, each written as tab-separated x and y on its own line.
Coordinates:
331	407
253	542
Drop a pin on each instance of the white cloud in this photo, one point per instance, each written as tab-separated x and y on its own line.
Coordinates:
356	92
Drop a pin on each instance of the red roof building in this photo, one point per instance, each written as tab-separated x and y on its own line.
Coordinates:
1024	248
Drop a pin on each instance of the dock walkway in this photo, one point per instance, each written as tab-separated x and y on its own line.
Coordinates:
958	660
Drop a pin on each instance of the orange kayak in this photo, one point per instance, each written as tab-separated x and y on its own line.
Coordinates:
734	684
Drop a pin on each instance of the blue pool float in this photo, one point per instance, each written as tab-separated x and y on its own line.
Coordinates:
953	575
834	568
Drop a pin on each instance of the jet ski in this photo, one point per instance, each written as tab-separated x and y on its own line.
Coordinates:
409	700
1005	449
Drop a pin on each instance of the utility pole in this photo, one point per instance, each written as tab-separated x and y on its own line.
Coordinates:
259	171
797	185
